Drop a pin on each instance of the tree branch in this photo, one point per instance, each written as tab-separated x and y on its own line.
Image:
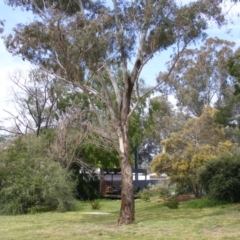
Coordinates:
120	38
80	3
114	84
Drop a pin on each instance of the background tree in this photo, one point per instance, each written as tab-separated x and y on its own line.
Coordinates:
201	77
86	42
68	137
35	99
228	111
161	119
186	151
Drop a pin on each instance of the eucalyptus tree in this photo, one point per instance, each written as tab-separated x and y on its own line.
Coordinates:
201	77
86	42
161	119
165	118
229	112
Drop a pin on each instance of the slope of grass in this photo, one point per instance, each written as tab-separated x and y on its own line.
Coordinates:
153	221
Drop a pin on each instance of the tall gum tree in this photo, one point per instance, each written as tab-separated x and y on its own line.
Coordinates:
87	42
201	76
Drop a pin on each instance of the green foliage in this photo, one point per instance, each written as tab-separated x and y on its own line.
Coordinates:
220	178
203	203
87	184
226	114
145	197
29	179
171	202
233	65
228	111
97	156
154	190
201	74
95	204
163	118
160	162
186	151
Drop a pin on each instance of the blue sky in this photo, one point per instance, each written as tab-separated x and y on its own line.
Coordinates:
8	63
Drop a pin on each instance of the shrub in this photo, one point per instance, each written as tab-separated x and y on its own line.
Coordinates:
95	204
29	179
171	202
145	197
220	178
160	190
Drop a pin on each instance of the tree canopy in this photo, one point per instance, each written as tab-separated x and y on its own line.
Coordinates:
201	76
186	151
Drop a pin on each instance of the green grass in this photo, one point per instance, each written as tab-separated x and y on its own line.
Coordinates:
203	203
153	221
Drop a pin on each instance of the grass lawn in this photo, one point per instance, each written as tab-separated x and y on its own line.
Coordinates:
153	221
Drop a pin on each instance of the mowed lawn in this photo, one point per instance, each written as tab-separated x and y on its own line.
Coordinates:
153	221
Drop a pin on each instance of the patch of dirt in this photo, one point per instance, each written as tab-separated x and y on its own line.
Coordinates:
237	207
217	229
185	197
181	198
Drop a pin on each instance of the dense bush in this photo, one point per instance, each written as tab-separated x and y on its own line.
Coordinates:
87	183
220	178
29	179
160	190
171	202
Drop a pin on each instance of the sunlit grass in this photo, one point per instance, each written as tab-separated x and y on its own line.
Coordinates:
153	221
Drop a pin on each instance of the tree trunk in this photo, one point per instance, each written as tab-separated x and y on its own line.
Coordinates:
197	191
127	194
